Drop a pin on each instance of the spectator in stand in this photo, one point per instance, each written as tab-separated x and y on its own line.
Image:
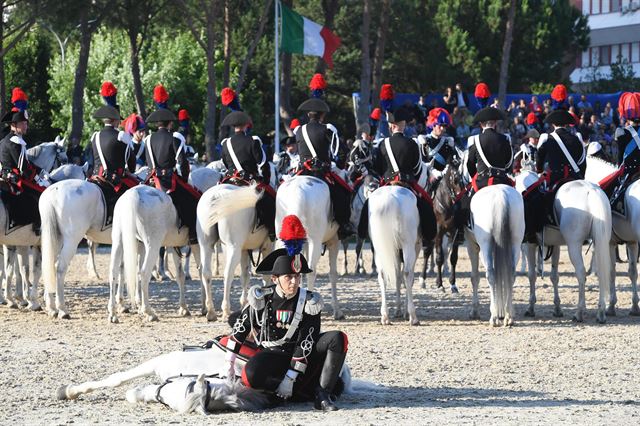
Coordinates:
496	104
422	106
606	117
518	129
585	106
432	105
461	97
462	128
584	128
571	102
535	107
597	108
522	109
450	100
512	109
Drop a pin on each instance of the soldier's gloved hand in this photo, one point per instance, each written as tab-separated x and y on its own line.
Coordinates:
285	390
227	369
125	137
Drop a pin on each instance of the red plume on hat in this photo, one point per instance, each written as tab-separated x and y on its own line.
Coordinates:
629	106
294	123
482	90
230	99
183	115
386	97
19	99
317	85
559	93
160	96
375	114
293	234
531	119
438	116
108	91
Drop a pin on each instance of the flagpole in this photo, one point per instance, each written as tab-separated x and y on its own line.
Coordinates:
277	83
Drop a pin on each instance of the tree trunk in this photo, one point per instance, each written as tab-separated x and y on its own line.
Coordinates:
378	57
286	112
3	87
365	73
506	52
210	122
135	74
227	63
77	109
266	13
330	8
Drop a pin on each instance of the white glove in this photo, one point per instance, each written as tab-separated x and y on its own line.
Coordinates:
227	369
285	389
125	137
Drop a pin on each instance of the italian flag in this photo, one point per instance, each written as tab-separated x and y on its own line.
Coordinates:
301	35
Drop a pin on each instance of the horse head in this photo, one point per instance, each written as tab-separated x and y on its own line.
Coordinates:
48	155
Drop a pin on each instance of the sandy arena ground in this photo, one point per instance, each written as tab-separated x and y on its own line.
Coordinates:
450	369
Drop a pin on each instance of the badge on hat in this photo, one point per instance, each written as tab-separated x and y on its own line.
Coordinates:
296	264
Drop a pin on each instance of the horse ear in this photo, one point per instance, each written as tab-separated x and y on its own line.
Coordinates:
58	141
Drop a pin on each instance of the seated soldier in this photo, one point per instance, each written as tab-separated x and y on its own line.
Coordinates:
245	161
318	143
360	158
287	160
295	361
21	192
169	164
398	160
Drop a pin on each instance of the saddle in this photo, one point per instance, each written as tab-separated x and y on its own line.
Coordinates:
243	179
322	171
615	185
404	180
21	209
111	188
494	177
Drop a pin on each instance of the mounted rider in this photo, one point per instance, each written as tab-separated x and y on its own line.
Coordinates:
360	157
398	160
169	164
287	160
20	189
528	151
246	162
318	144
137	128
628	140
294	359
437	147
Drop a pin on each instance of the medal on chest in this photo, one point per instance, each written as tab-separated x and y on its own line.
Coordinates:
282	318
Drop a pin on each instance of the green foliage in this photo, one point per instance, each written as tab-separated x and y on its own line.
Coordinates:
622	78
542	87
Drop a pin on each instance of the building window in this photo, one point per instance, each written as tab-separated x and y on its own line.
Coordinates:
595	6
616	5
593	60
625	50
605	55
635	52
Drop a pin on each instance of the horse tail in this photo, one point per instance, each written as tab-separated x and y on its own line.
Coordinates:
50	242
385	237
601	236
125	231
503	261
226	203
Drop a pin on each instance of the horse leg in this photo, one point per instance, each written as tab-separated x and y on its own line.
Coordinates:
410	257
91	259
398	281
632	256
114	270
333	249
345	247
575	254
531	260
523	262
446	242
145	369
613	298
439	258
206	276
151	252
23	282
9	267
488	260
183	310
245	272
474	256
453	259
373	261
162	270
217	247
384	309
143	394
359	266
233	255
67	251
427	251
554	276
37	272
187	264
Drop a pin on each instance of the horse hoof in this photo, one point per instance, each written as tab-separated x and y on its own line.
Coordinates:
415	322
494	322
152	318
12	305
473	315
601	318
611	311
188	277
577	318
52	313
211	316
63	315
529	313
635	311
113	319
61	393
184	312
385	321
338	316
454	289
508	322
123	310
558	313
35	307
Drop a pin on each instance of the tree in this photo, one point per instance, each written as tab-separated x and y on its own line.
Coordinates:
378	57
506	52
365	73
201	17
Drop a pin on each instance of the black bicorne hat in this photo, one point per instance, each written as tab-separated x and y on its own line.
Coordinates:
315	105
15	116
107	111
400	114
18	112
288	260
236	118
488	114
161	114
559	117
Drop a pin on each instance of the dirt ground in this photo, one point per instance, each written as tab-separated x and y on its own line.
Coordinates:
450	369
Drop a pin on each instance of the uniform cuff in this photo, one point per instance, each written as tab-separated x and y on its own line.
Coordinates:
298	365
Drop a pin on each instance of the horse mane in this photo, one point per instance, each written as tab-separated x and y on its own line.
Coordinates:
35	155
602	160
233	396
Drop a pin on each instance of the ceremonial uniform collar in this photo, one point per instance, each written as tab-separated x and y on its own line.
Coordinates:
280	293
18	140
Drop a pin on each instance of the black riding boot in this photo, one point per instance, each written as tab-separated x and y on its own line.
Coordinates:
266	210
328	378
427	220
341	200
363	225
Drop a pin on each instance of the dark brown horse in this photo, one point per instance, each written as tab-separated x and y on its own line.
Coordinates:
450	222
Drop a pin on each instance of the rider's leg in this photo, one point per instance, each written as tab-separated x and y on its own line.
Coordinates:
340	199
266	208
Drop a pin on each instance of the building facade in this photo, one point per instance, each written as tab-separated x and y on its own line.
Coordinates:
615	35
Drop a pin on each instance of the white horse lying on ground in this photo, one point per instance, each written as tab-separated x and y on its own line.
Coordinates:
190	383
497	213
393	229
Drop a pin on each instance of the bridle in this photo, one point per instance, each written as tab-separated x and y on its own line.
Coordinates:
189	390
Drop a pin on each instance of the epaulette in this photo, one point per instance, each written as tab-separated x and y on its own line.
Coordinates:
256	138
332	128
619	132
450	141
543	139
256	296
314	303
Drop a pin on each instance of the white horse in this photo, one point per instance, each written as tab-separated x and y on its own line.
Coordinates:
626	229
498	229
393	229
583	213
190	383
239	234
308	198
146	214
